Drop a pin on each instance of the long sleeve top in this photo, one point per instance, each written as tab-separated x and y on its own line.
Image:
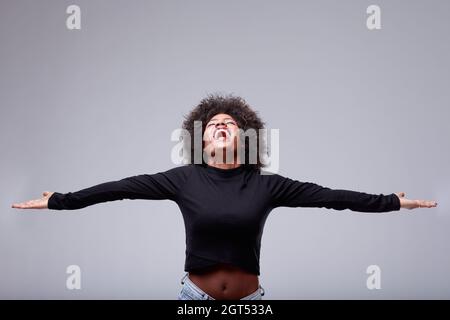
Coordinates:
224	210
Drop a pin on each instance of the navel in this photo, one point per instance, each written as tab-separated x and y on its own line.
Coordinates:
224	287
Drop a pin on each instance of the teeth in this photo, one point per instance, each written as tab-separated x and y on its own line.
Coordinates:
216	134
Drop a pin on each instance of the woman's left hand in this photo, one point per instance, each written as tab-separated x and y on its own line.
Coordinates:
412	204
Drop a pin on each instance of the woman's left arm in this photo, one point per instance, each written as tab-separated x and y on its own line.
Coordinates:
286	192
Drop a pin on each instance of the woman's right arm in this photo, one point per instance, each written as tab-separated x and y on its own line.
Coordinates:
157	186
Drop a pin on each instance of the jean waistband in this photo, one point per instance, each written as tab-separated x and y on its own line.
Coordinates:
185	278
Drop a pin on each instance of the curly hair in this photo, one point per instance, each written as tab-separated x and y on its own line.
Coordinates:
234	106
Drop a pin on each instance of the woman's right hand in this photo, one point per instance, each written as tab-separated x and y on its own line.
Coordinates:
413	204
41	203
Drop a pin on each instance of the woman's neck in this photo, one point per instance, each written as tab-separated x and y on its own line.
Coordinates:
224	165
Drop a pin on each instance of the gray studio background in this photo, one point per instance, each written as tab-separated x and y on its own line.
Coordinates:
357	109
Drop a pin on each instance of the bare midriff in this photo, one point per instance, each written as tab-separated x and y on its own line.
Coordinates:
225	281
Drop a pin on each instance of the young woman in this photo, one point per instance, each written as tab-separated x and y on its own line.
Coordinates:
224	203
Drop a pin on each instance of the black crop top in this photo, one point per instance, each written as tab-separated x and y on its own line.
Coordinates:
224	210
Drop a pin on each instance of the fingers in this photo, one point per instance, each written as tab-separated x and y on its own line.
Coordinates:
32	204
22	205
18	205
425	204
413	204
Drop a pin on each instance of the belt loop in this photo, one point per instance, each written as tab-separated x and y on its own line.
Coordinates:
184	277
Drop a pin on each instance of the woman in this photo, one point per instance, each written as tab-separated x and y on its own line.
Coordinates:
224	203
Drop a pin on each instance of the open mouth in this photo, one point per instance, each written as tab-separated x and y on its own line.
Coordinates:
221	134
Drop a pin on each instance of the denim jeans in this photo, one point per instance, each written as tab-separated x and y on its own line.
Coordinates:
190	291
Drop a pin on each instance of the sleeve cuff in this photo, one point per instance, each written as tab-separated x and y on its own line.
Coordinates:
397	204
54	201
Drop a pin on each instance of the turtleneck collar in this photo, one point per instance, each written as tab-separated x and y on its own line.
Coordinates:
224	172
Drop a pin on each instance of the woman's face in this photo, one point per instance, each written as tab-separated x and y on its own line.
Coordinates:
221	132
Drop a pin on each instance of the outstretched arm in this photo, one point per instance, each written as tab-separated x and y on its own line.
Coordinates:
293	193
158	186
